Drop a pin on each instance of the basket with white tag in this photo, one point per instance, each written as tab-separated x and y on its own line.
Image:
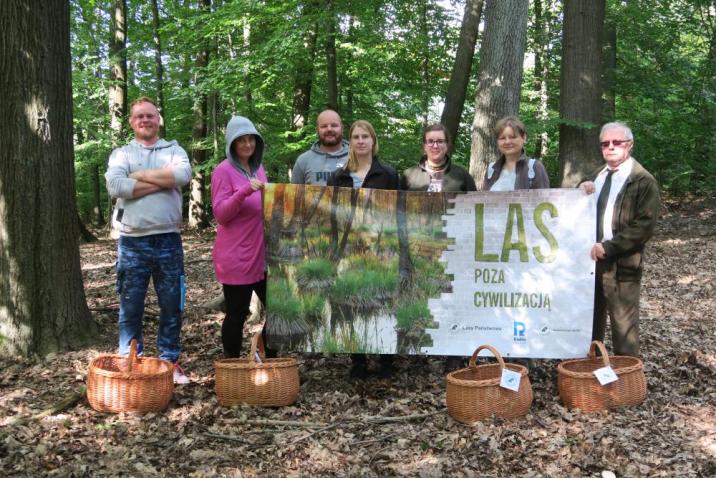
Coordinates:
480	391
580	387
257	380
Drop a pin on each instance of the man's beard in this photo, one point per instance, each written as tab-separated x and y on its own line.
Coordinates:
330	140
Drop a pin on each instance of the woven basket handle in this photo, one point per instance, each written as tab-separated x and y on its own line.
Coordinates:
132	354
596	344
257	342
494	351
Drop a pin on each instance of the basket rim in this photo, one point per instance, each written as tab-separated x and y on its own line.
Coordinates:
637	365
95	368
452	379
246	363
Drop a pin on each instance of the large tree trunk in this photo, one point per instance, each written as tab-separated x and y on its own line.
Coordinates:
331	61
118	69
500	77
460	77
580	104
42	301
197	206
303	80
158	66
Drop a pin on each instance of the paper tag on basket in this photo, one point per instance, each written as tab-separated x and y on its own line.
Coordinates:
605	375
510	380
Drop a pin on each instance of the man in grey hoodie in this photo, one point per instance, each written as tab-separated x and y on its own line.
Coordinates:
146	176
326	155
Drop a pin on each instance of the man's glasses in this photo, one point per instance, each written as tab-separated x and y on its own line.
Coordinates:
616	142
436	142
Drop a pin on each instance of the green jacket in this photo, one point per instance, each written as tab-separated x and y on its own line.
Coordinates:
635	212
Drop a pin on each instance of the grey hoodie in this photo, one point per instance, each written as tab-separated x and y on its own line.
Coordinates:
155	213
237	127
315	166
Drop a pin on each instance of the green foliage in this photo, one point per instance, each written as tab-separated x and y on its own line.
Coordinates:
412	314
318	269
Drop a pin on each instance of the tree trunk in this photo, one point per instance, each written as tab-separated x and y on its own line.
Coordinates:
405	263
97	215
197	207
580	104
425	63
500	77
303	81
118	69
460	77
609	71
331	61
158	67
543	21
42	301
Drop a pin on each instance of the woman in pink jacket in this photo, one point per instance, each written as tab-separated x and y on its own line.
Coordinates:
239	252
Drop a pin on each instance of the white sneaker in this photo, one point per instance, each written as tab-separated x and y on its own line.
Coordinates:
179	377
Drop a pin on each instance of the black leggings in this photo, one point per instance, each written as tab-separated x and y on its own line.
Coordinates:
238	300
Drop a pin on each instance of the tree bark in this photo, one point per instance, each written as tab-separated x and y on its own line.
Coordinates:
97	215
460	77
331	61
580	105
118	69
158	66
543	20
500	77
42	301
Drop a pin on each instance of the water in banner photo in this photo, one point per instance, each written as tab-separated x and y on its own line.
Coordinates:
376	271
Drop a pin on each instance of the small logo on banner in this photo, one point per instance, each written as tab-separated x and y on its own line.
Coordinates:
519	332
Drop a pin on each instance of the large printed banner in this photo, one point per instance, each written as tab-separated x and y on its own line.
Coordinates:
429	273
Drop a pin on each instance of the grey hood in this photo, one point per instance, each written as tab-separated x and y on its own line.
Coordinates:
239	126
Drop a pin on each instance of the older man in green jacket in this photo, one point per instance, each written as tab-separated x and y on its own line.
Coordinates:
627	207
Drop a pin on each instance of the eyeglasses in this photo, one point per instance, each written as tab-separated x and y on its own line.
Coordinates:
435	142
616	142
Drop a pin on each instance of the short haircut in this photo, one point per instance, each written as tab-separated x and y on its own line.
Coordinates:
437	127
142	99
617	124
510	121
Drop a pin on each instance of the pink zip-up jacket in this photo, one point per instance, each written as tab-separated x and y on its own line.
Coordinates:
239	249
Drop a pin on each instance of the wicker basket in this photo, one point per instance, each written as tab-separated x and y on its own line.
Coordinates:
579	388
129	384
474	393
272	382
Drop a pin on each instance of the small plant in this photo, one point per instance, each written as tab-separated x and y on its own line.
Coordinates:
319	270
412	314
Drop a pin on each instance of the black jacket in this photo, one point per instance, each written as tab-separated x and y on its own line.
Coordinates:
379	176
455	178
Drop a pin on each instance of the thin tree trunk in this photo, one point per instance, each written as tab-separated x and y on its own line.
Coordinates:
42	301
97	215
425	63
543	19
197	207
303	81
609	71
500	77
158	66
405	263
118	69
460	77
331	61
580	105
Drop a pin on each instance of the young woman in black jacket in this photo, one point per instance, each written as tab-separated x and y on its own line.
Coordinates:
363	170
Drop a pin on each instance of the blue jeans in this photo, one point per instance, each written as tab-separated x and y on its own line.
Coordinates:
159	256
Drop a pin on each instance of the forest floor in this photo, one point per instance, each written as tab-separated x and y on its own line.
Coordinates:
397	427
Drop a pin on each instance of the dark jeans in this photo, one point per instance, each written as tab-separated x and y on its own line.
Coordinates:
161	258
238	300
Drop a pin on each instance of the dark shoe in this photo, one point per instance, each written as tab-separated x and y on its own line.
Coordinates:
386	369
454	363
359	367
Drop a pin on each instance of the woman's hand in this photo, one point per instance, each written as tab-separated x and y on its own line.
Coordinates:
256	184
588	187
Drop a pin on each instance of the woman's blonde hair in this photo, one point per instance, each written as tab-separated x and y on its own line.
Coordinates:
352	164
